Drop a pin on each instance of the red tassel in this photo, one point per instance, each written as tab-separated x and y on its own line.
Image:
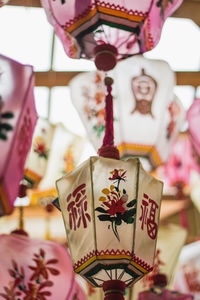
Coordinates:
108	150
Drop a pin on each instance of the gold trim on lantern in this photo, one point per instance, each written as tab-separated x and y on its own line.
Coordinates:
107	11
145	149
110	257
32	176
37	195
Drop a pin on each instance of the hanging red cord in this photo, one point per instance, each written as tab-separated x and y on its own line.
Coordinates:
108	149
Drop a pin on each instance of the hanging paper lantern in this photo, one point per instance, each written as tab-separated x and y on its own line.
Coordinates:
60	152
194	125
17	120
36	269
99	209
177	171
147	116
187	278
108	29
36	162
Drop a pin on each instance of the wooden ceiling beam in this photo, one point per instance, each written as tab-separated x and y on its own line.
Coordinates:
53	78
189	8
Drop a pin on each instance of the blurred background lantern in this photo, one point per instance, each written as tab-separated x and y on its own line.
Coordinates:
57	151
194	125
17	121
187	279
98	210
36	269
143	102
177	171
120	29
36	162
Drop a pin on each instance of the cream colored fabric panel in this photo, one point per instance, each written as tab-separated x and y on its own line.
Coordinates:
113	191
148	211
78	218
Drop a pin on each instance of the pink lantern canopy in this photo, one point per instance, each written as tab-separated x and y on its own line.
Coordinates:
17	121
194	126
129	27
36	269
143	102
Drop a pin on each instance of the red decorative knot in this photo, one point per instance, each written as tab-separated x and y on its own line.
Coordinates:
49	208
22	190
20	232
109	152
114	289
105	57
159	280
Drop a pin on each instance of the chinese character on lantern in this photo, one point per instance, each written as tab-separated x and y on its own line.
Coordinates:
148	216
77	207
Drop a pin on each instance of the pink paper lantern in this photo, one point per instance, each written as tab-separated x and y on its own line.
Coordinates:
130	26
193	117
181	162
36	269
17	121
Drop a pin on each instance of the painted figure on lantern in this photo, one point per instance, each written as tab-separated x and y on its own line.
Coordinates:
144	89
77	208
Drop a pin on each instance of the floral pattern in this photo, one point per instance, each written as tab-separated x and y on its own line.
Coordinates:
35	288
39	146
4	126
94	105
115	207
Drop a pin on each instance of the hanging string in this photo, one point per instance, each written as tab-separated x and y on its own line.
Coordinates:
108	149
109	132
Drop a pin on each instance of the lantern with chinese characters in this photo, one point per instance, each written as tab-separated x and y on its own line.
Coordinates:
112	219
57	151
142	100
194	125
187	279
106	29
36	269
17	120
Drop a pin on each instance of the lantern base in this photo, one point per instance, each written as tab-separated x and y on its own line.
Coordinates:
105	57
114	290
